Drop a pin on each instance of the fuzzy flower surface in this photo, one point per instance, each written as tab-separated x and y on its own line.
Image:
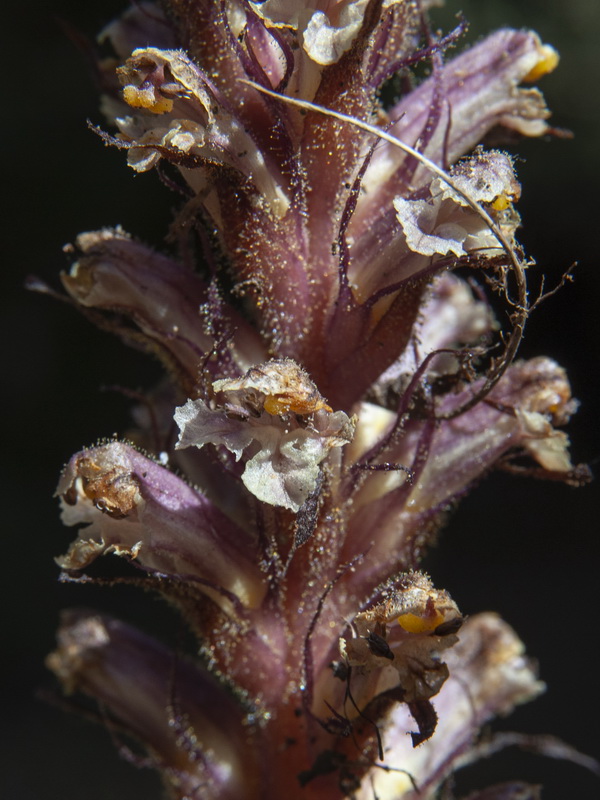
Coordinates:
337	380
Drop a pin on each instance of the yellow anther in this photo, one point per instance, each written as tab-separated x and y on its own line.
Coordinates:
414	624
148	99
283	404
501	203
549	59
274	405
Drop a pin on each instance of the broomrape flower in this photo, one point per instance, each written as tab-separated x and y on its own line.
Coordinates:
334	388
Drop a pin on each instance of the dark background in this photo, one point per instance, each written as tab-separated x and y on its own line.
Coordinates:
523	548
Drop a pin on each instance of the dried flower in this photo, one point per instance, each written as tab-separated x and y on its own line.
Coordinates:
334	385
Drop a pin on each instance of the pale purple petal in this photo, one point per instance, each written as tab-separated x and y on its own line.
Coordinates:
129	505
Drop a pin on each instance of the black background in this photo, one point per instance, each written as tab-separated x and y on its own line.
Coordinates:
525	549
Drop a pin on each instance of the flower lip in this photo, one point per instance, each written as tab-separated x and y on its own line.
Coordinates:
489	676
326	31
394	649
275	418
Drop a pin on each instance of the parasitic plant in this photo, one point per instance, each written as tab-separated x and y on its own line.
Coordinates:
338	319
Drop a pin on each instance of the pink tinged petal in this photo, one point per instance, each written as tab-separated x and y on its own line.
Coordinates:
532	397
284	469
481	90
131	506
414	216
465	447
444	222
169	307
192	727
489	676
394	516
269	53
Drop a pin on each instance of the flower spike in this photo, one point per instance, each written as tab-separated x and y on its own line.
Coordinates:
332	372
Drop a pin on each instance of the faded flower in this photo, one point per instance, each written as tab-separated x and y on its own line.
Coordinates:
334	374
264	413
